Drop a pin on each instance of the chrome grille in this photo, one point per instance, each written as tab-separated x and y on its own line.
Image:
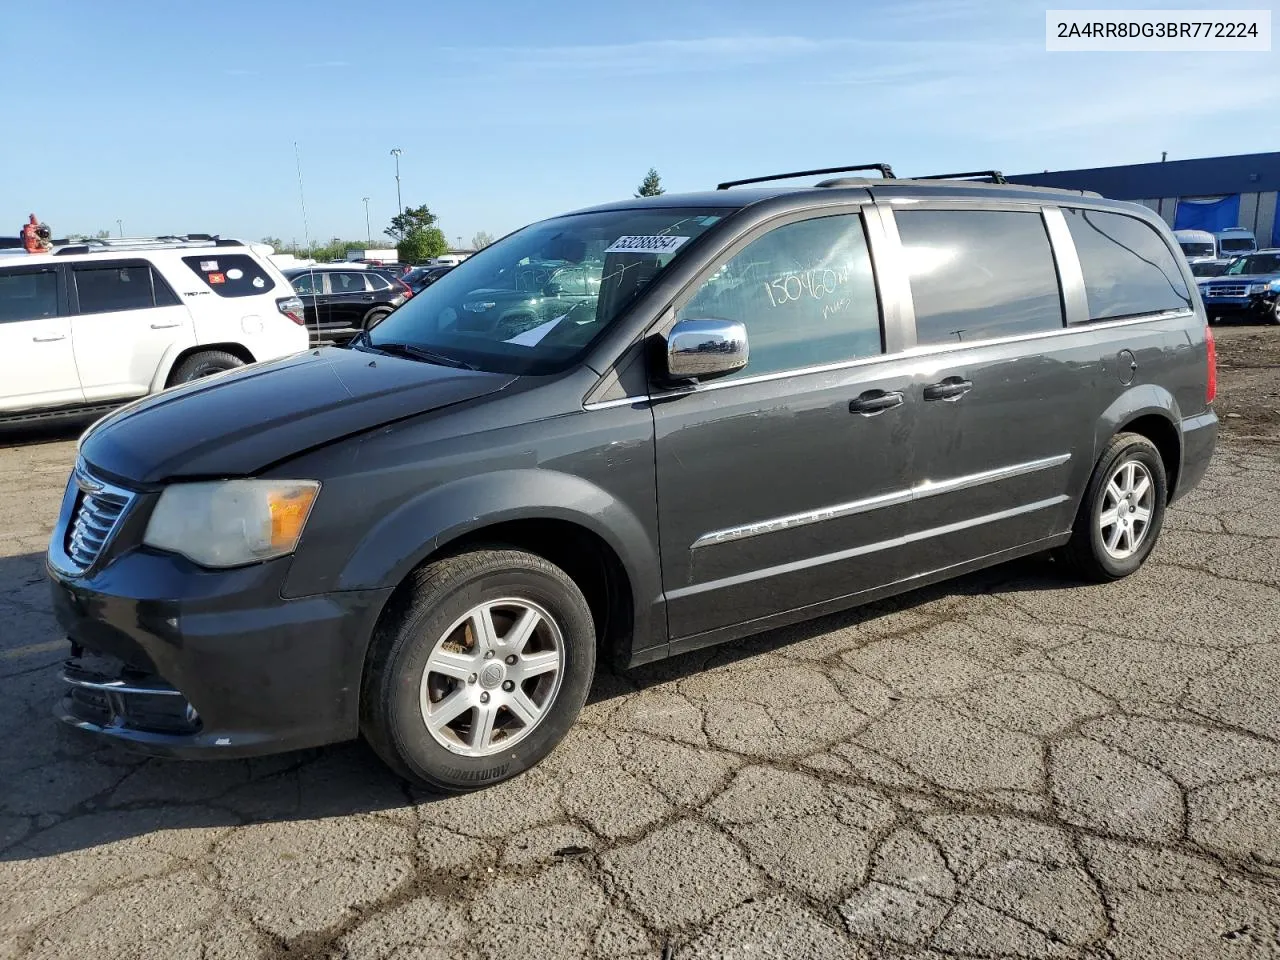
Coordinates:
1228	289
99	507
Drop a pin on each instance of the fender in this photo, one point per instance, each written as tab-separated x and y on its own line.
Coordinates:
1147	399
403	538
165	366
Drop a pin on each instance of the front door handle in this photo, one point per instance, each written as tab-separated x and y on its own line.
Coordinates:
952	388
164	326
61	336
875	401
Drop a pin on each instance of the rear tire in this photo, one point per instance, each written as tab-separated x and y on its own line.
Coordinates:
204	364
439	711
375	317
1122	511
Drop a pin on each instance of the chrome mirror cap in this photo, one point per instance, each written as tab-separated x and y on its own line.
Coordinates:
701	349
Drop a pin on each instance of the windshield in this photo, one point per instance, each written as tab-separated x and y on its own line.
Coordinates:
1207	268
1236	246
1194	249
533	302
1257	263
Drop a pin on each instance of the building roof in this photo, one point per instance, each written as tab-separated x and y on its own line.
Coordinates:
1202	176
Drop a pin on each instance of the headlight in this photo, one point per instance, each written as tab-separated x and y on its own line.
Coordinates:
231	522
1275	286
1256	288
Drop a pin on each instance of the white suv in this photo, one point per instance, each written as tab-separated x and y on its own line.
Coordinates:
88	326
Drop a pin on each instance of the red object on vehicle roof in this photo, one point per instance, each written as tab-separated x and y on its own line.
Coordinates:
35	236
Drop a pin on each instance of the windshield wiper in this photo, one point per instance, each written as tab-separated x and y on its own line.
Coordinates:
415	352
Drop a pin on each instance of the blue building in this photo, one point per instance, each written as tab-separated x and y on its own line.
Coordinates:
1207	193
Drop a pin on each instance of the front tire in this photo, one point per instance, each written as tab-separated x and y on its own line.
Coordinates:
204	364
478	669
1122	512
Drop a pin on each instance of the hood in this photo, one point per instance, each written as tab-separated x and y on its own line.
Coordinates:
1245	278
238	423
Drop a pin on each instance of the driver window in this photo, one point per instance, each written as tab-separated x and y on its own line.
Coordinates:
805	293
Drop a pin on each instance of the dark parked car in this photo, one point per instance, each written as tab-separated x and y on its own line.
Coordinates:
419	278
775	403
533	294
1249	289
342	301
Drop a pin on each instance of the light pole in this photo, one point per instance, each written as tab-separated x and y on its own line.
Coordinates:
368	230
120	227
395	152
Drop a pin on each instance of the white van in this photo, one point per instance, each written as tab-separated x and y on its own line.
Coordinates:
1235	242
1197	244
89	325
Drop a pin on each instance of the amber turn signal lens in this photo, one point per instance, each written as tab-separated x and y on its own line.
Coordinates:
289	510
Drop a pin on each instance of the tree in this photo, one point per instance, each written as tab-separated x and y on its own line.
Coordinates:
421	244
651	185
413	218
480	240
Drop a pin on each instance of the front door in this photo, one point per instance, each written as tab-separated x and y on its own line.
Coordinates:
784	484
126	319
309	287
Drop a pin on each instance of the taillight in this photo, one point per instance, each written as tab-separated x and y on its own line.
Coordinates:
1211	352
293	308
407	291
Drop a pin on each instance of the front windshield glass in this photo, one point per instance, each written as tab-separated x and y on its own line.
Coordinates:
1236	246
1256	263
1207	268
1193	249
533	302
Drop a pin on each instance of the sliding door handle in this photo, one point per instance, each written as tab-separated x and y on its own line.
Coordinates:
952	388
875	401
54	339
164	326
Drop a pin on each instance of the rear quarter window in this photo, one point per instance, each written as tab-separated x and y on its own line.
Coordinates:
1128	268
230	275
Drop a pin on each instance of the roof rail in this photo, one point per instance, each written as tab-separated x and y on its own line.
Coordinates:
995	176
102	244
886	172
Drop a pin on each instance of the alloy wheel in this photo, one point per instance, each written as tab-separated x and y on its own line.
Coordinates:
1128	501
492	677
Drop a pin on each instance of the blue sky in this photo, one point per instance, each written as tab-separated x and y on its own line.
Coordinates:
179	117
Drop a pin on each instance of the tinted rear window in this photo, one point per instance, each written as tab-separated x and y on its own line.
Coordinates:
28	295
347	283
979	274
230	275
1128	268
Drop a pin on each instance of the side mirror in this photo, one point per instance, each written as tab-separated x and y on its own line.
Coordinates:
702	349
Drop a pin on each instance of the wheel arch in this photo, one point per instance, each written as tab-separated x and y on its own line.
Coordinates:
603	546
1152	412
170	364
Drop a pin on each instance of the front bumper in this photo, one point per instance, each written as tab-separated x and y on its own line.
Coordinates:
176	660
1261	307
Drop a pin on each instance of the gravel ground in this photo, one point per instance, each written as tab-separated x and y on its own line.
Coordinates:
1006	765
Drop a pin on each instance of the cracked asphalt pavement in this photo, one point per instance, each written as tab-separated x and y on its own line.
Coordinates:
1007	765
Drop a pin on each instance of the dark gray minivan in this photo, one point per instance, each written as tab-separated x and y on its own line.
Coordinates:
782	402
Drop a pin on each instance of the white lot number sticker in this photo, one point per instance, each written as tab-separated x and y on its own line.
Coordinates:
647	244
235	273
208	266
